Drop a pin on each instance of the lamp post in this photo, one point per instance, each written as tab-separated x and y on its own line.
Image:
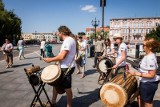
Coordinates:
129	35
95	23
102	4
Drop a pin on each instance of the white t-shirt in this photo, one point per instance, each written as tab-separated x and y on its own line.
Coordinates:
82	44
122	47
42	45
149	62
69	44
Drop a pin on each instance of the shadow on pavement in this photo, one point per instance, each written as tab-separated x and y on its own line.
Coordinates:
90	71
31	57
6	72
156	103
14	66
82	101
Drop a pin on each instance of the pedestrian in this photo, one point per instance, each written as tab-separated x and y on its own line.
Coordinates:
7	51
48	50
147	73
99	48
20	46
82	53
120	63
42	48
66	58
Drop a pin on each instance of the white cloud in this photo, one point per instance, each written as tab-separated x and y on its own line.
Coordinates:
89	8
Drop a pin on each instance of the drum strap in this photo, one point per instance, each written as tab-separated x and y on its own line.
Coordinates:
69	68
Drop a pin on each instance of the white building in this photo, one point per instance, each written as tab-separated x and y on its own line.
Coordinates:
52	37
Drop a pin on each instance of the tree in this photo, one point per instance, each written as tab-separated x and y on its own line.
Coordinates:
10	24
155	33
92	35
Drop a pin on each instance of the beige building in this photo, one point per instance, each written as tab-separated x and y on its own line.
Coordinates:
133	30
39	36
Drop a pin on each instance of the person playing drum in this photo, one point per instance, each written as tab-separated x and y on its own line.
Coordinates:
121	54
66	58
147	73
109	50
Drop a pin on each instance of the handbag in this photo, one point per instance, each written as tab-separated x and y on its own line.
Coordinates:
78	59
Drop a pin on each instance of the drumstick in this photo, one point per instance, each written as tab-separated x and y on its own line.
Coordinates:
39	55
109	68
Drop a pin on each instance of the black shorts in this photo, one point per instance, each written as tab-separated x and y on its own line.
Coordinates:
66	80
147	90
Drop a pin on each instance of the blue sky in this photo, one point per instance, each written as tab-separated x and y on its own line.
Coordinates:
48	15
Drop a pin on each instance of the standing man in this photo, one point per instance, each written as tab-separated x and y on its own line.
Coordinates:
42	48
99	48
7	51
20	46
66	59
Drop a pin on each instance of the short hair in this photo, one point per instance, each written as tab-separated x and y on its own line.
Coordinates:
65	30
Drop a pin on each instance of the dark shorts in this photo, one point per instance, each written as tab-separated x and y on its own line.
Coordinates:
147	90
66	80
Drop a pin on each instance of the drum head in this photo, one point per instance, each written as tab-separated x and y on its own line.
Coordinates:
50	73
113	95
104	64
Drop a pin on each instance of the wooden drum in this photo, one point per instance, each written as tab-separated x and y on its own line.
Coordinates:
117	92
51	75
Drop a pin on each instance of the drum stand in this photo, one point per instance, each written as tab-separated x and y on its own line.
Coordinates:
104	77
38	92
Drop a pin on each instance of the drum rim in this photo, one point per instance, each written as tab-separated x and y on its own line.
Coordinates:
54	79
119	86
99	70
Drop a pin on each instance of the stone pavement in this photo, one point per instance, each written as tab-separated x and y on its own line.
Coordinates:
15	90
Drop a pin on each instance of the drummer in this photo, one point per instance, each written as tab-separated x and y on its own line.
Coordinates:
147	73
66	58
108	49
121	54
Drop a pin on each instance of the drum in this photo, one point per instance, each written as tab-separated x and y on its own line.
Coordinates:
35	79
51	75
118	91
104	64
32	69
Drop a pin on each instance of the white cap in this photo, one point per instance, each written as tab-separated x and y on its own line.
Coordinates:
117	35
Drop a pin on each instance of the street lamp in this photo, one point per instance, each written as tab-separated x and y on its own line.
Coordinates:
95	23
102	4
129	35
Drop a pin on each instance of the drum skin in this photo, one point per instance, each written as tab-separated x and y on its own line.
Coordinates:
51	75
117	92
104	64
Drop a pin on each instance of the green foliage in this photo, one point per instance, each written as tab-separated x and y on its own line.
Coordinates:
92	35
155	33
10	24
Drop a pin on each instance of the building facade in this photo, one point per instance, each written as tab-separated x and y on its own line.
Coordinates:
52	37
133	30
